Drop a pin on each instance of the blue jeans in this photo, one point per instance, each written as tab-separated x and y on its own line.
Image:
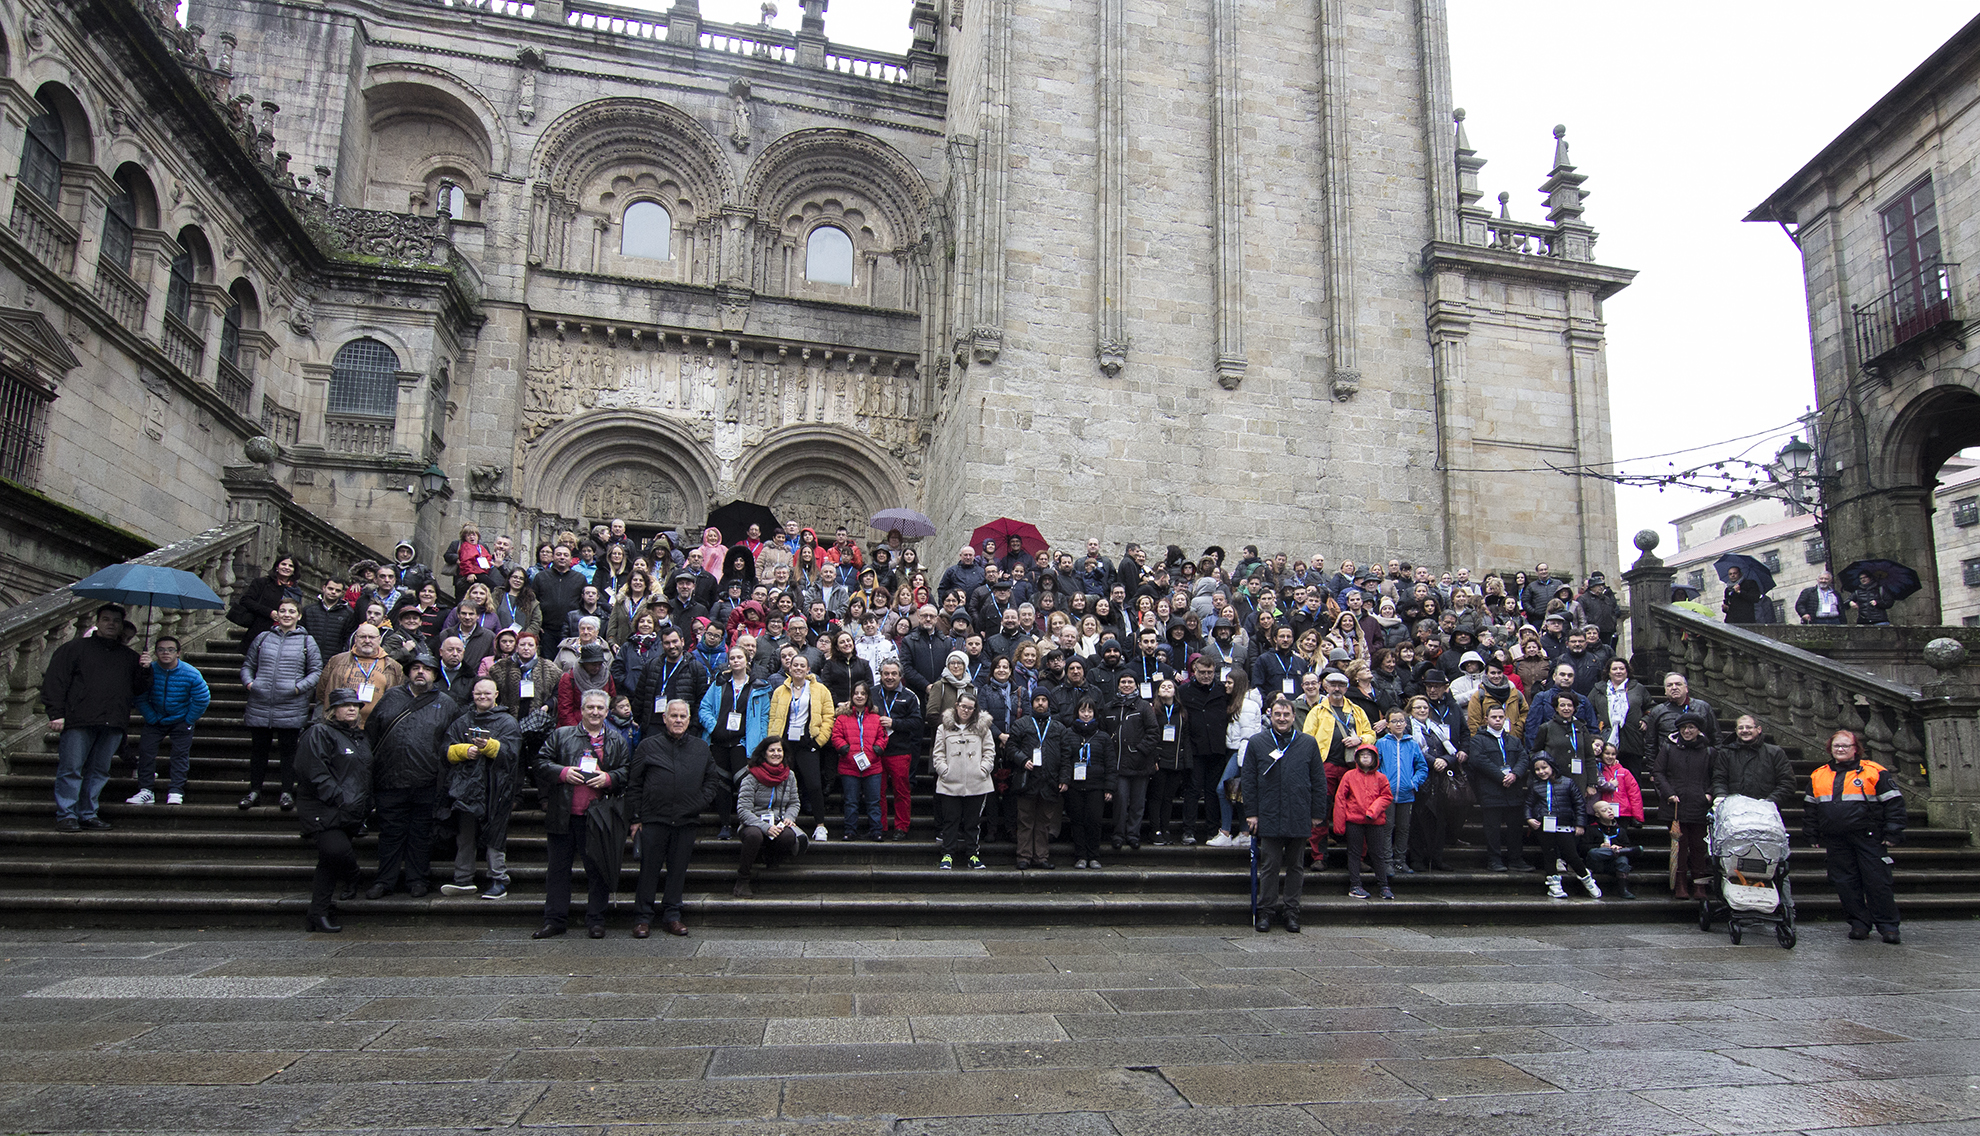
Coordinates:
82	763
1223	798
856	788
149	737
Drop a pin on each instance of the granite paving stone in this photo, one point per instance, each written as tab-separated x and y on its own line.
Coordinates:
1039	1031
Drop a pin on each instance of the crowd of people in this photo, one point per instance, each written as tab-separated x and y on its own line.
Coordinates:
638	685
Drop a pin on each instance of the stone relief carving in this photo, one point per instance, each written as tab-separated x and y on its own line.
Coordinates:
635	492
727	392
821	503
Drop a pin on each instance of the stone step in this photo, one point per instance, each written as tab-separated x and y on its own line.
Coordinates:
774	907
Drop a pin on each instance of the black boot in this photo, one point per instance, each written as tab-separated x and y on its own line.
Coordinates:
321	923
1622	886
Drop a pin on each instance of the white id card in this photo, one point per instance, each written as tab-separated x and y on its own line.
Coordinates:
735	722
1277	754
1574	767
1287	685
526	689
861	762
1079	771
587	764
1037	757
1147	690
1223	674
364	692
796	731
1168	733
1549	824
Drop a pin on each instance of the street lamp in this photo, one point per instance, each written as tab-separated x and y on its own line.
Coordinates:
432	482
1798	456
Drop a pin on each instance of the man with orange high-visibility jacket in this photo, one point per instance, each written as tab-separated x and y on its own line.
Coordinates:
1856	813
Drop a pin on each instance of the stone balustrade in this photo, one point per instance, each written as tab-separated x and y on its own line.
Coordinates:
43	232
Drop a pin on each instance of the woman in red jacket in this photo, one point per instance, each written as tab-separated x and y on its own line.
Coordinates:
1361	812
859	737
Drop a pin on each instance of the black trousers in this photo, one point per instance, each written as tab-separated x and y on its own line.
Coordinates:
1561	846
960	820
1162	797
1085	806
565	848
260	740
1199	787
1499	822
1862	880
405	834
662	847
802	756
730	759
1279	855
755	841
335	861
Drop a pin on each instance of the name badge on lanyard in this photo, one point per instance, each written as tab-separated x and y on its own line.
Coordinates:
735	722
364	692
1079	771
1287	684
1147	690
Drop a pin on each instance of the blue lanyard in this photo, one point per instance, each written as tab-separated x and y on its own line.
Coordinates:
1044	728
667	674
888	706
1550	795
860	721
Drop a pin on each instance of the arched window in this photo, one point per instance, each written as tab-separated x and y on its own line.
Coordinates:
119	224
230	334
364	380
1733	524
454	200
646	231
42	155
828	256
178	291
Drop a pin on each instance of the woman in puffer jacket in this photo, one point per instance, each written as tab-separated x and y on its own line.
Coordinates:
280	672
965	763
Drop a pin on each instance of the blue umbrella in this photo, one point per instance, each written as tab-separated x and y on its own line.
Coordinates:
1749	568
152	585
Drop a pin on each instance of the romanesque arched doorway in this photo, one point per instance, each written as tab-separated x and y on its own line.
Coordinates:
1898	517
645	467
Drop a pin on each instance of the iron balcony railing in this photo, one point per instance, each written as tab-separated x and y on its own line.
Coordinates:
1924	303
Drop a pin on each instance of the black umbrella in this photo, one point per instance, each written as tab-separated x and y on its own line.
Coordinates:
1683	592
735	518
1749	568
1895	579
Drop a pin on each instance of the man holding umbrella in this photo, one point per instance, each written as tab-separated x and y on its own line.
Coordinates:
1746	581
88	688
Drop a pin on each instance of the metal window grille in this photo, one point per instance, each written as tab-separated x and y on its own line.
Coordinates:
1966	512
23	426
364	380
1970	571
1815	551
1772	559
230	335
119	224
178	293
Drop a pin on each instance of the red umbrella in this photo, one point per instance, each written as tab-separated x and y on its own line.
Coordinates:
1003	529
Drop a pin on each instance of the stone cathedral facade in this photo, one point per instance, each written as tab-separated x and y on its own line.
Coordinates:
1127	269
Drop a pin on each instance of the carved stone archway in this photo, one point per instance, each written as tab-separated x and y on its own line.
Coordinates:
823	477
640	465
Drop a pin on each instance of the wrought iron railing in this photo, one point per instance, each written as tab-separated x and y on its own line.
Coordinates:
1922	304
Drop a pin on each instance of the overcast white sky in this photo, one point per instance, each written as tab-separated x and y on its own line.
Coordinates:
1684	115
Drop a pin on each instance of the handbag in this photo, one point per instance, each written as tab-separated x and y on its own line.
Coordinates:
238	615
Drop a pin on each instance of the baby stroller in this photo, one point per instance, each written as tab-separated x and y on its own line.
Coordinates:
1748	846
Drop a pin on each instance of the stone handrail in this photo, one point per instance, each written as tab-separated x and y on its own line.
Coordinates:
30	632
1800	697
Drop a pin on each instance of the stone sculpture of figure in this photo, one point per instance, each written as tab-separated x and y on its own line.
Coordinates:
739	113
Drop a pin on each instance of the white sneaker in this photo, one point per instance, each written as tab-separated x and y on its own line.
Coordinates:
818	834
141	797
1594	889
459	889
1241	840
1221	840
1555	889
175	798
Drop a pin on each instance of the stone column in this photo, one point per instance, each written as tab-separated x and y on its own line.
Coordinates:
1649	583
1227	193
1110	306
1952	739
1343	326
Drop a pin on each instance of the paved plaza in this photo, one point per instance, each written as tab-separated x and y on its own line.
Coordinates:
1360	1031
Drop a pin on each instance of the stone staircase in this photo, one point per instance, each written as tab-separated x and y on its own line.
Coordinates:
208	862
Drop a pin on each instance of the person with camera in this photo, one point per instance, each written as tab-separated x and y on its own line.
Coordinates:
407	774
580	773
484	746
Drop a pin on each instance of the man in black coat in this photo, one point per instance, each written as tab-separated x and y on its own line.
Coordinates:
1750	767
901	716
408	770
89	688
1660	721
675	674
558	588
1207	703
964	576
1285	799
673	777
1820	602
327	618
925	651
484	767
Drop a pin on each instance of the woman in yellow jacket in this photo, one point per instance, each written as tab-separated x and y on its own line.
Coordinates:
801	714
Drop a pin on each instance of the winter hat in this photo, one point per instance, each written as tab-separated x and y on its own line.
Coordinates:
344	696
